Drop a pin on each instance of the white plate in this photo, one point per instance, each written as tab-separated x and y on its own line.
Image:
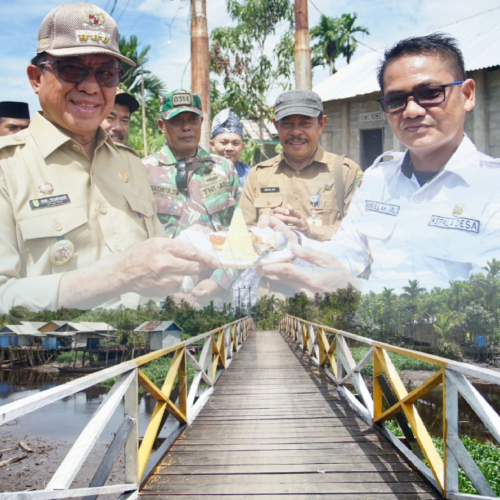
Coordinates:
272	258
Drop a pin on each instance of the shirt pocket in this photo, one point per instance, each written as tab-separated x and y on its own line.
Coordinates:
39	230
452	245
265	204
145	210
377	227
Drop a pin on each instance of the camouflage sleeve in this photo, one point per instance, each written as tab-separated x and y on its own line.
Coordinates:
234	182
224	277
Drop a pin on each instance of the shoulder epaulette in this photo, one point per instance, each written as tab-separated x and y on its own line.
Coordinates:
11	140
267	163
127	148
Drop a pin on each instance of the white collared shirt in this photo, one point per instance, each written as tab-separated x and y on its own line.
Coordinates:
443	231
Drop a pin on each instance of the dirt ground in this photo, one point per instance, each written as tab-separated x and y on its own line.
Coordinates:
35	470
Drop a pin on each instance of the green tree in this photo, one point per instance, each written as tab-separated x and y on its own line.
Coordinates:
349	44
327	34
412	293
239	54
153	89
334	37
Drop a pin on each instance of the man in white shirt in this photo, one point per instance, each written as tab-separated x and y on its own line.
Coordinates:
431	214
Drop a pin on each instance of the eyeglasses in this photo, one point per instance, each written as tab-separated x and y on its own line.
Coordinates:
428	96
181	178
105	76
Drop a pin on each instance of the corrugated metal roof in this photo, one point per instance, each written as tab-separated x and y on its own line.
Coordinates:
479	39
97	326
23	330
251	128
156	326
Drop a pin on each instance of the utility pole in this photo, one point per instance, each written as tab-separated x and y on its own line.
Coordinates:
200	64
303	70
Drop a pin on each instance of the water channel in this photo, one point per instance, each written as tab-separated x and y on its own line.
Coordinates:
66	418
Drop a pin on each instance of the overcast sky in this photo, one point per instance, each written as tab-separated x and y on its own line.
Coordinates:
163	24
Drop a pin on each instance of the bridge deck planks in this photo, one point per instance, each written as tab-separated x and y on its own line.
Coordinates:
275	426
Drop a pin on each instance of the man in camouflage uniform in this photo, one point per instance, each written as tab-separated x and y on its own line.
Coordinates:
192	188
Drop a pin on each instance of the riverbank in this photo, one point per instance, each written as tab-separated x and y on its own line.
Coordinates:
37	467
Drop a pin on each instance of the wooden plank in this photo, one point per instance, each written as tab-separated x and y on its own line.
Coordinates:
347	495
66	493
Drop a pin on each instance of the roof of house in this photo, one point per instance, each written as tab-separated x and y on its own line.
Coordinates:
156	326
251	128
478	37
97	326
23	330
34	324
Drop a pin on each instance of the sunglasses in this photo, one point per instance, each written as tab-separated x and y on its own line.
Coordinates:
181	178
105	76
428	96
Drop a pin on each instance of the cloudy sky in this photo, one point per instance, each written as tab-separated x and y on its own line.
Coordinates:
164	25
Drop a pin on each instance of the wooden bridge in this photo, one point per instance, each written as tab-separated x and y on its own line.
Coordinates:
281	421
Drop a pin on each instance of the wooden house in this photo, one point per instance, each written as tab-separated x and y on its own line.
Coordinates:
160	334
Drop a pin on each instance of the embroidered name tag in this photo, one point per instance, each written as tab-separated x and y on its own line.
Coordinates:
215	188
162	190
382	208
459	223
270	190
50	201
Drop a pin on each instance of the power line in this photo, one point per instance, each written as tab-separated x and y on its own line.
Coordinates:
123	11
113	8
358	41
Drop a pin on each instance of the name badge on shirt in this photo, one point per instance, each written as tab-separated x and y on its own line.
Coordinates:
382	208
162	190
459	223
50	201
270	190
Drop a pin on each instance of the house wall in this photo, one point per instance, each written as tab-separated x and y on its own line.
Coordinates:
348	117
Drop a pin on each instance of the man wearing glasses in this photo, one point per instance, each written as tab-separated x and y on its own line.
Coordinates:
192	188
78	224
430	214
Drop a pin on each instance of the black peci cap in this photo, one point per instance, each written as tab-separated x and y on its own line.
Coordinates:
14	109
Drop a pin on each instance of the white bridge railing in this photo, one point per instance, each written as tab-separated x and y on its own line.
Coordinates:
328	348
176	397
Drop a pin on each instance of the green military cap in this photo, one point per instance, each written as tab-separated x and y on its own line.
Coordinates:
178	101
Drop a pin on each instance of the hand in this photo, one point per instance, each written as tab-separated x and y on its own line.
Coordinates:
277	225
206	289
293	219
328	275
152	268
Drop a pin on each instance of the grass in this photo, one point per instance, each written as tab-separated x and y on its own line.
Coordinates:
400	361
485	455
69	357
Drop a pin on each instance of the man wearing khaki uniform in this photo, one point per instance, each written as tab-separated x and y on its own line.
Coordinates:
301	186
78	224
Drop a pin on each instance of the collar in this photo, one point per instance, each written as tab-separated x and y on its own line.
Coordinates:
167	157
319	157
49	138
461	162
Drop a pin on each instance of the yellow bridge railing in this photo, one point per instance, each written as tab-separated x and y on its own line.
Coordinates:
179	397
328	348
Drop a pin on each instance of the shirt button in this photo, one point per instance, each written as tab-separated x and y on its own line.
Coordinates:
103	209
58	226
297	196
118	248
417	198
77	148
268	203
18	139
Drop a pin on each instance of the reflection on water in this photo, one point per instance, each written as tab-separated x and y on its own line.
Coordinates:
430	409
66	418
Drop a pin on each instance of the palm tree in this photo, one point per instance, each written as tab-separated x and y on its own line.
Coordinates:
412	292
349	44
328	45
446	324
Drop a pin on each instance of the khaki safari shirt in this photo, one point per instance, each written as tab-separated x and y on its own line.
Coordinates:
213	192
273	183
50	191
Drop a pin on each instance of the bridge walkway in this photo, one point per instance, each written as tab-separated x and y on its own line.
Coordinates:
276	427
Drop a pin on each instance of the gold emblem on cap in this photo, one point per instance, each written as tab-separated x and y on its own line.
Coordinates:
123	176
92	18
61	252
459	209
46	188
